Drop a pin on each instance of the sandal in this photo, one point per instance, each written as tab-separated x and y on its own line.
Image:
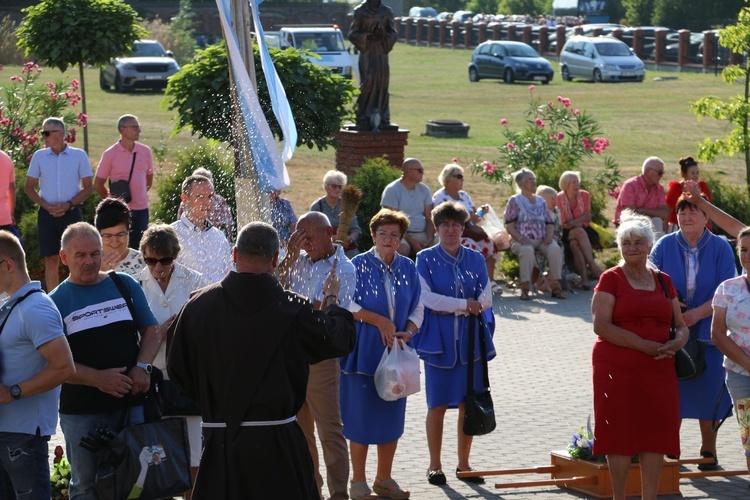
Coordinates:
710	465
360	491
472	480
496	289
436	477
557	294
525	295
389	489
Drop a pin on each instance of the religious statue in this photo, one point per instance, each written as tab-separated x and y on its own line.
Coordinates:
373	32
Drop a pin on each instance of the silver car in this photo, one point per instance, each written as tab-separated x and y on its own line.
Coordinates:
148	67
601	59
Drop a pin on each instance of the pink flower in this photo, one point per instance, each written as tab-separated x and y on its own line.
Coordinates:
576	112
510	145
15	78
566	102
553	136
488	167
82	120
51	85
532	87
455	160
539	123
70	138
560	136
4	122
504	122
74	84
559	99
587	144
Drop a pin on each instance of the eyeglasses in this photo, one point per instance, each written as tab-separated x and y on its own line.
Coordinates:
109	236
459	176
47	133
336	186
658	172
164	261
386	235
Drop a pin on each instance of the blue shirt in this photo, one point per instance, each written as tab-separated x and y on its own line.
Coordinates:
59	174
33	323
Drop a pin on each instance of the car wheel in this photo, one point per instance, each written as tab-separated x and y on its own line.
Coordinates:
118	83
509	77
597	76
565	74
545	82
473	75
103	81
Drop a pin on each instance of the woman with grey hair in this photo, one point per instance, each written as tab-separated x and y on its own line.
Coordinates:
530	225
474	237
330	204
636	399
167	285
578	236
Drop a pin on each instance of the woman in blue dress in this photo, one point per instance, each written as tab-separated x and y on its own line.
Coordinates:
387	310
698	262
455	286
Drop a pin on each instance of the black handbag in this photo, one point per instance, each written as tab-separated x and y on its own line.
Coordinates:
145	461
479	411
690	361
121	189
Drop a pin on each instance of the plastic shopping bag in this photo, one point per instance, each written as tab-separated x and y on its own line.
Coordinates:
495	228
397	375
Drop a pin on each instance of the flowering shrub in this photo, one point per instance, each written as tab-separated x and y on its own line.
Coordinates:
556	137
25	103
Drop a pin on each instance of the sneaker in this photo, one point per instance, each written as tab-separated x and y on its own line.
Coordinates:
436	477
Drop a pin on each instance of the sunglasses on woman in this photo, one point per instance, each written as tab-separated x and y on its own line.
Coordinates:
165	261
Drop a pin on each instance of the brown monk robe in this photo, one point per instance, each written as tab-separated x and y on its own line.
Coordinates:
241	347
373	32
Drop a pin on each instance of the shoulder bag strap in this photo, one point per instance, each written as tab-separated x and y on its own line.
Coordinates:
672	328
470	374
132	164
483	347
23	297
128	299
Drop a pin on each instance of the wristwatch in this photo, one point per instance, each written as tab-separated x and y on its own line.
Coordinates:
15	391
146	366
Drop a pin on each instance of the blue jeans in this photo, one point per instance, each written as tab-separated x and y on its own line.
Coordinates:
138	224
83	463
24	466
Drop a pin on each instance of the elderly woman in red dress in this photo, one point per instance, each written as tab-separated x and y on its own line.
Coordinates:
636	400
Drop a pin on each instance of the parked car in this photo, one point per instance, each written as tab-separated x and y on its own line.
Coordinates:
422	12
672	48
147	67
325	42
600	59
463	15
649	34
510	61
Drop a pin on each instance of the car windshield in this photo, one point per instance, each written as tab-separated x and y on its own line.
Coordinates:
147	50
320	43
613	49
521	51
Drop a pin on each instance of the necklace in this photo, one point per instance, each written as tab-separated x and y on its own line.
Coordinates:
645	280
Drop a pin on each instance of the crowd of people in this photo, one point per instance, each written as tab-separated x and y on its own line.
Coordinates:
179	298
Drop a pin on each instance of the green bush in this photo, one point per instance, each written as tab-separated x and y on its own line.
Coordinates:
372	177
509	266
216	159
730	198
9	51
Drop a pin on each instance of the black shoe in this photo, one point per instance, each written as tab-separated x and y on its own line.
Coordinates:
709	465
472	480
436	477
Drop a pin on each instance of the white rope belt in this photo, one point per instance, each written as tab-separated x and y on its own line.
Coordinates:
254	423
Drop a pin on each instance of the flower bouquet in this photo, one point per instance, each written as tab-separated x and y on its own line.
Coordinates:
60	477
582	445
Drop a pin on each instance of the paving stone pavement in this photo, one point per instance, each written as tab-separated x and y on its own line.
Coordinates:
541	387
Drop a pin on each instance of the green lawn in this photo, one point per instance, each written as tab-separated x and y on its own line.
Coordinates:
640	119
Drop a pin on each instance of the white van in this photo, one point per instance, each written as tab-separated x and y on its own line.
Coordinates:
601	59
325	42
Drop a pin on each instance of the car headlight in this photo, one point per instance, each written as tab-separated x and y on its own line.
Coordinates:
175	66
610	67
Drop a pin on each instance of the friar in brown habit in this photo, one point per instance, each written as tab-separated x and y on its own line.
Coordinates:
242	349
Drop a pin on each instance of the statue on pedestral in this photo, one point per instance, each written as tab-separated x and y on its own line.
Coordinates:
373	32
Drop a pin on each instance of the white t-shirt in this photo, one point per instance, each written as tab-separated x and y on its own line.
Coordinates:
410	201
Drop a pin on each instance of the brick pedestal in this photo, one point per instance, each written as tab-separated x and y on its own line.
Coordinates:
356	146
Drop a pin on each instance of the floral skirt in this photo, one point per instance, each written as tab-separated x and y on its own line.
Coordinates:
486	247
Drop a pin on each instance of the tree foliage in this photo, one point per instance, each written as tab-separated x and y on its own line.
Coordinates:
533	7
736	110
638	12
483	6
64	33
200	95
696	15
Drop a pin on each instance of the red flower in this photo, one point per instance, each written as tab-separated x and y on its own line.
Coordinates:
539	123
504	122
82	120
